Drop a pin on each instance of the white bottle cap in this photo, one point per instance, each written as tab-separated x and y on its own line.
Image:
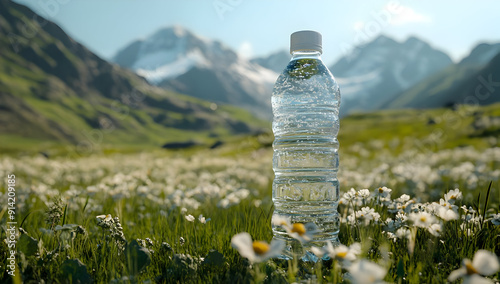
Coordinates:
306	40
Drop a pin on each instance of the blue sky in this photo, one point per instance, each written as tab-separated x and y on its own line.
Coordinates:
259	27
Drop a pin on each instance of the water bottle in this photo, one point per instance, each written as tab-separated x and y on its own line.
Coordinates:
305	104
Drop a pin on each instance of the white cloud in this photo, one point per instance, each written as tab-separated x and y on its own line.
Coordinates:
245	50
404	15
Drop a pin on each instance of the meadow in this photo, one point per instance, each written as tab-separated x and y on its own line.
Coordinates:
420	200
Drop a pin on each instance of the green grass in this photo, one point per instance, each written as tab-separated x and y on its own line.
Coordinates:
155	212
147	189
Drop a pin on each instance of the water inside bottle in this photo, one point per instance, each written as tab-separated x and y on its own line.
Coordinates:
305	105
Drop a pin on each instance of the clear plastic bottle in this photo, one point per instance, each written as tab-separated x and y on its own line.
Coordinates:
305	103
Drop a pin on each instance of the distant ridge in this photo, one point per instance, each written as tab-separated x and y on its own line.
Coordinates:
54	89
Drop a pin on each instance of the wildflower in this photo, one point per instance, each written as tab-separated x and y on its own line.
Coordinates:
348	196
384	192
202	219
435	229
467	229
422	219
453	195
406	207
278	220
495	219
401	218
384	195
364	272
257	203
367	214
190	218
301	232
342	253
446	214
183	210
390	235
403	233
467	210
115	229
256	251
54	212
363	193
104	221
390	225
149	242
484	263
404	198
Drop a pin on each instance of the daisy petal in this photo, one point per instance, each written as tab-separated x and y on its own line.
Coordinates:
476	279
318	251
243	243
485	262
455	274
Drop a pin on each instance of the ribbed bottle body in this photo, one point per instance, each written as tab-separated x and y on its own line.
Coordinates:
305	104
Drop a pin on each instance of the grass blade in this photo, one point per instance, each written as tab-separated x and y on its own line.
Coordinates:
86	203
485	208
64	214
24	219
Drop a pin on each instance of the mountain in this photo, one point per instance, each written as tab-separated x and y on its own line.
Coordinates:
474	80
54	89
276	61
481	54
176	59
379	70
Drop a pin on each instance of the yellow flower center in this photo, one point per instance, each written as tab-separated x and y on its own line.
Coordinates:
341	254
470	269
380	190
260	247
423	219
299	228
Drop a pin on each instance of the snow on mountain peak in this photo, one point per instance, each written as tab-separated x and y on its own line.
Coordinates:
173	51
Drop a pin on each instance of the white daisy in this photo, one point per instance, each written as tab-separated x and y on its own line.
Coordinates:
446	214
422	219
453	195
278	220
484	263
342	253
435	229
190	218
363	193
364	272
301	232
403	233
256	251
202	219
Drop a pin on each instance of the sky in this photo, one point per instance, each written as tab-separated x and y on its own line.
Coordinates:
259	27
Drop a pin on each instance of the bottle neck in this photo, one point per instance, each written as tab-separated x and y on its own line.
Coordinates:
310	54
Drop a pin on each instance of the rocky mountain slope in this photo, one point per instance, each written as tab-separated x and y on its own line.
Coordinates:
474	80
176	59
53	88
379	70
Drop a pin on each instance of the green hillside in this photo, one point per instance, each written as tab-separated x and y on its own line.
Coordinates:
422	130
54	92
